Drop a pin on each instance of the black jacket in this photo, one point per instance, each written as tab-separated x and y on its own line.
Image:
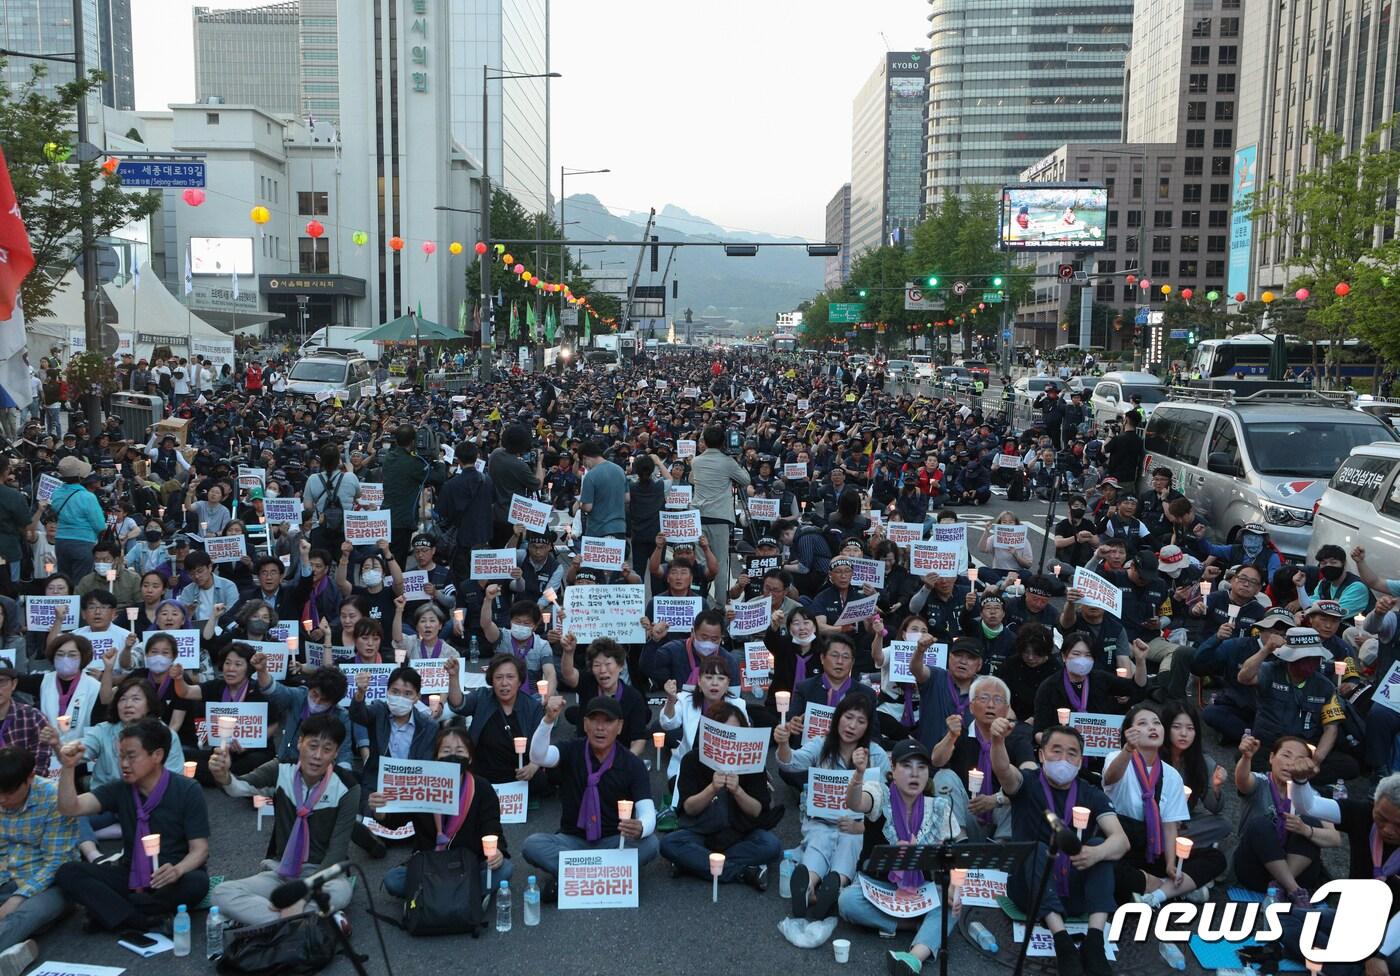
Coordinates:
465	504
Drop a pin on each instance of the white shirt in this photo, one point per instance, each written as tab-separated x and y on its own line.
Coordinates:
1126	794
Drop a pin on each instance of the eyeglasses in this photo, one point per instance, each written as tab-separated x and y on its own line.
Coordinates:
990	700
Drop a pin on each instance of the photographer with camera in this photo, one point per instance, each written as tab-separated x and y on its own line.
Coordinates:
714	475
515	469
405	475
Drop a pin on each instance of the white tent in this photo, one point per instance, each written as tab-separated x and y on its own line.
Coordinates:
66	314
149	316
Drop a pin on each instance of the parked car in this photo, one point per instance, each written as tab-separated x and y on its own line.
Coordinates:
1113	394
1263	457
331	371
1361	507
977	368
954	376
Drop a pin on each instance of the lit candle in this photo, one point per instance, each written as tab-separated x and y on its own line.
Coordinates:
782	699
291	643
1232	612
1063	715
111	576
520	743
65	722
458	615
489	844
131	614
624	812
1183	848
1339	667
400	655
1122	672
972	574
227	725
716	869
974	781
959	877
306	626
151	844
542	686
1079	817
1205	587
658	739
1360	620
546	616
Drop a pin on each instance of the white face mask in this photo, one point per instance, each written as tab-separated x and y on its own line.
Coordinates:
803	640
399	706
1079	666
371	577
101	569
521	631
159	664
706	647
67	666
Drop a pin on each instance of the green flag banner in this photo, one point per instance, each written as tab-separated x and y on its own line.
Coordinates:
514	322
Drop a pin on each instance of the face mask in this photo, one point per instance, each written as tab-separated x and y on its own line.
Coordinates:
312	707
1061	772
1331	573
706	647
521	631
257	627
1079	666
1076	513
399	706
67	666
159	664
804	641
371	577
101	569
153	537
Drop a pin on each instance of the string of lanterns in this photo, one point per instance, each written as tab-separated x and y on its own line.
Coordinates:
531	280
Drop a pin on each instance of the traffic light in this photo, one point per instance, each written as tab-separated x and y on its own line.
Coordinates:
932	281
861	293
996	282
1191	338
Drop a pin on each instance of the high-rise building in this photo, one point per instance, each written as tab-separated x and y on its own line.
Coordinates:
320	57
1328	64
838	231
249	57
1010	82
46	27
887	151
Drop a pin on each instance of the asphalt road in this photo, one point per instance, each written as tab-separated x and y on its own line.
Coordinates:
676	929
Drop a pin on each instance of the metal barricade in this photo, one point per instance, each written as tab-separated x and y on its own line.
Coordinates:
137	411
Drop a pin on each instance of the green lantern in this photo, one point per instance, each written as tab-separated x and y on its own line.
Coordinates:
360	238
1212	296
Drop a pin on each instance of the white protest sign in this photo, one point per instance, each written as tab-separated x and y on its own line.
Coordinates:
433	673
283	629
226	548
936	656
804	405
758	659
904	533
765	509
251	477
901	656
601	552
1008	536
679	496
1095	591
751	616
816	721
371	497
1007	461
47	483
367	528
1387	691
681	526
900	903
597	879
606	611
282	511
690	393
75	969
685	449
678	613
955	532
112	638
868	572
733	748
514	799
940	558
414	580
1043	943
251	730
378	681
386	832
1100	731
276	653
187	647
529	513
39	612
419	786
826	793
492	564
857	611
794	472
982	888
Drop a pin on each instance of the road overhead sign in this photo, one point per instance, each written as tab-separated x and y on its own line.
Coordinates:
846	313
916	299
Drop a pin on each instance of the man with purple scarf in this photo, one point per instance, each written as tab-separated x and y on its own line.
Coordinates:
963	758
314	803
596	771
1081	884
139	891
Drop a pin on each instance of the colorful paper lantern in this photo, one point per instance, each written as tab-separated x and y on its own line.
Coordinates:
110	164
1187	294
1267	298
519	269
360	238
480	248
194	196
396	243
1342	289
314	229
455	247
429	247
1212	296
1144	284
500	248
259	215
1132	279
507	259
1166	289
1302	294
57	153
1240	297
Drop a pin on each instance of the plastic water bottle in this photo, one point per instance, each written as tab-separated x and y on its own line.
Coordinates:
474	655
1275	893
785	869
1339	791
503	907
214	934
1172	956
983	937
180	932
531	909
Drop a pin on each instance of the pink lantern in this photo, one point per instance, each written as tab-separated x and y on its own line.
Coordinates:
519	269
1302	294
193	196
1145	283
429	247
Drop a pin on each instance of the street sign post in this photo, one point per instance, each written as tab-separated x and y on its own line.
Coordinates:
918	300
154	174
991	297
847	313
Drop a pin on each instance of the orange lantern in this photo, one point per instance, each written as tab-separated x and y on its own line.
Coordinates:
396	243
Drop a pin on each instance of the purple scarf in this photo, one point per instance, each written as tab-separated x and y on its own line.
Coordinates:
835	694
231	696
1062	864
445	832
1079	702
299	843
799	674
1282	805
1151	812
984	763
959	698
906	829
437	650
907	719
1392	864
590	810
140	876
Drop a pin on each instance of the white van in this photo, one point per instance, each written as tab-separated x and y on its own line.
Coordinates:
1361	507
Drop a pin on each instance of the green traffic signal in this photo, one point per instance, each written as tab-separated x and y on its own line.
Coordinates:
996	282
933	281
861	293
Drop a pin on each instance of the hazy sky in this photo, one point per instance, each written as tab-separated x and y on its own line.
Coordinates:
736	111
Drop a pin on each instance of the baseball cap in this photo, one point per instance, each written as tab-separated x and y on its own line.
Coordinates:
1146	563
587	576
1277	617
1328	608
179	539
910	749
1254	528
606	705
965	645
1041	585
1171	561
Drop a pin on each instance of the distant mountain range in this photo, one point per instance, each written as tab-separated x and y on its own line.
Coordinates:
751	291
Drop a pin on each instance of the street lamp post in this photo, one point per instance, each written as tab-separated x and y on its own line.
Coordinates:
486	256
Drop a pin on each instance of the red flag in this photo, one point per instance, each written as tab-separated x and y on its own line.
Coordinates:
16	257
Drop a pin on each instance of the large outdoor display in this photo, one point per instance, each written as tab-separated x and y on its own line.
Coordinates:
1050	217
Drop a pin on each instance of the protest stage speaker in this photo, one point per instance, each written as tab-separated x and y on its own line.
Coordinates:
939	860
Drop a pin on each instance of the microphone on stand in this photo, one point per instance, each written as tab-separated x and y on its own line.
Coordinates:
1063	840
291	892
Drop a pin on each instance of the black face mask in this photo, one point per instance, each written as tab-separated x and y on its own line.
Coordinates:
257	627
1076	513
1331	573
153	536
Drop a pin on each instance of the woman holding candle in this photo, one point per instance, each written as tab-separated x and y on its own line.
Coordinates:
498	715
684	713
1151	803
1081	687
830	846
1203	777
478	817
242	677
67	689
727	813
161	652
426	640
908	816
895	710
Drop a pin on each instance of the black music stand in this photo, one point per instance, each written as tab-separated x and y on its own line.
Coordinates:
939	860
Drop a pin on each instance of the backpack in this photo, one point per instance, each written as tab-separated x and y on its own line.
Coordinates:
332	512
300	944
442	894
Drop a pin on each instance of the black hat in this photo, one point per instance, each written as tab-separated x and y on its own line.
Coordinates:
965	645
1042	585
606	704
909	749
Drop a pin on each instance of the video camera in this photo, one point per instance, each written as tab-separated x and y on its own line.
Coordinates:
734	442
